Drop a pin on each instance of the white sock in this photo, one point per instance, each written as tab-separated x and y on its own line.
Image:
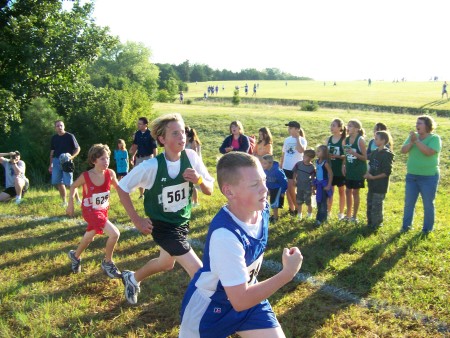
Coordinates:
133	280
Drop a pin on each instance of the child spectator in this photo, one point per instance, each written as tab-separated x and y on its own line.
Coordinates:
121	158
96	192
193	142
224	297
276	182
322	183
292	152
380	168
336	152
354	168
236	141
372	146
264	145
168	180
304	174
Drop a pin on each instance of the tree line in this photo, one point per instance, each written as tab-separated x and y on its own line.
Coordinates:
187	72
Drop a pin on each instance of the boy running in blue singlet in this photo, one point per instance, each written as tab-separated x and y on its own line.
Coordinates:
224	296
168	180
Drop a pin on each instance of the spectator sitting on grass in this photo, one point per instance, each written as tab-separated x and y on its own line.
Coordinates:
16	184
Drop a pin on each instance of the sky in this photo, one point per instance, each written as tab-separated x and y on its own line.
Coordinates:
326	40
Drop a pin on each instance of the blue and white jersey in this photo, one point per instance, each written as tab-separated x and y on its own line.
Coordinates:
206	279
205	300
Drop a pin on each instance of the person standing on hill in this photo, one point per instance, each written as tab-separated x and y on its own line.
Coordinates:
121	158
377	176
237	141
144	146
444	90
355	167
193	142
379	126
293	148
265	143
423	147
62	143
336	153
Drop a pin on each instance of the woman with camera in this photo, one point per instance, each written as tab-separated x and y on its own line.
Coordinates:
16	184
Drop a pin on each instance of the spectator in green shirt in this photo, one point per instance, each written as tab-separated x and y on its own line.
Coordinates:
423	147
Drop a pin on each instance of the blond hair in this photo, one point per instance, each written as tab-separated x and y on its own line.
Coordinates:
159	125
357	124
122	142
237	124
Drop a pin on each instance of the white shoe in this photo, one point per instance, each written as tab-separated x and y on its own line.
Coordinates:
309	215
64	204
18	201
299	215
341	217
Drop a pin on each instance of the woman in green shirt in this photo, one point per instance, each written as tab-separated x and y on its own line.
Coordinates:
423	148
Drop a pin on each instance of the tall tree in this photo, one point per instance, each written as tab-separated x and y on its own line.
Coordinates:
44	49
124	65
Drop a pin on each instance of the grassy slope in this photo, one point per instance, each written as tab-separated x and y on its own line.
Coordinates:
405	94
39	296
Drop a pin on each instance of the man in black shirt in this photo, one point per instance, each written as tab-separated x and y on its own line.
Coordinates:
61	143
144	146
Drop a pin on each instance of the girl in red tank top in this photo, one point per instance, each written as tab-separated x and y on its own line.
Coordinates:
96	185
96	202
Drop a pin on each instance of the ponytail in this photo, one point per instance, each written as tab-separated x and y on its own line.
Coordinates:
343	133
302	133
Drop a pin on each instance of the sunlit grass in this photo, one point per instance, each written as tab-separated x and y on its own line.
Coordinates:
404	277
425	95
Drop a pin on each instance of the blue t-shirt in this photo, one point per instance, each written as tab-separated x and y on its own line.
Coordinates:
121	157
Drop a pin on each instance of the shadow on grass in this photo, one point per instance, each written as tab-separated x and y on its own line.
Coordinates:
59	235
434	103
318	249
156	313
25	226
360	277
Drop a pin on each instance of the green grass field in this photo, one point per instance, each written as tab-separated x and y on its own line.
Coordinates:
426	95
362	283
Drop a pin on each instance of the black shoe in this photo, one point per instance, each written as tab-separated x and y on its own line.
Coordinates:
76	262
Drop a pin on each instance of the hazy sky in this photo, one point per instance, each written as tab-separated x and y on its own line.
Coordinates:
326	40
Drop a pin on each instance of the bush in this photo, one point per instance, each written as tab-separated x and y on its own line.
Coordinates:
165	96
33	139
188	101
309	106
236	98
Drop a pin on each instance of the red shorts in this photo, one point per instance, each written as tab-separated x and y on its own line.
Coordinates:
96	220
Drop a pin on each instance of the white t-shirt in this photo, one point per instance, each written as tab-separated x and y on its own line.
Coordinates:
143	175
291	155
231	271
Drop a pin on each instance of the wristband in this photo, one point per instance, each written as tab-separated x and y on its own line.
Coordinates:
200	180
